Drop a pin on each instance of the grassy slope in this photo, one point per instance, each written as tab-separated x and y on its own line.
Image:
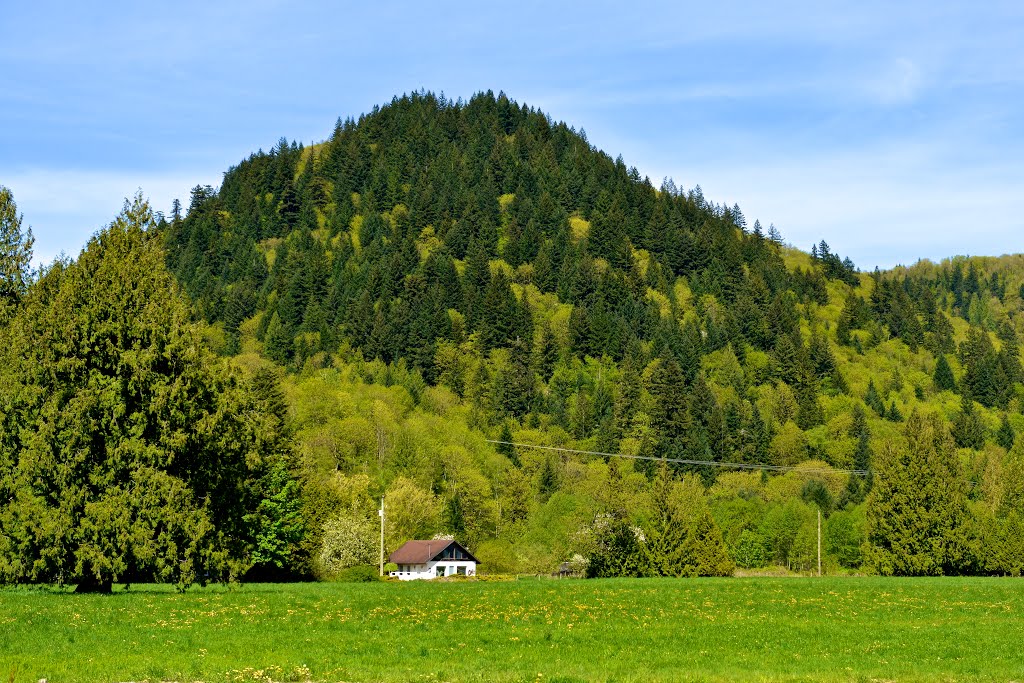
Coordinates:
622	630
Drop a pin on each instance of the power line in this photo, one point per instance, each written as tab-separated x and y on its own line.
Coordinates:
710	463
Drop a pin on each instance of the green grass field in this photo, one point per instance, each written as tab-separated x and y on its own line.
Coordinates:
759	629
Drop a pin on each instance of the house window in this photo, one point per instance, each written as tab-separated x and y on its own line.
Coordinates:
461	571
440	570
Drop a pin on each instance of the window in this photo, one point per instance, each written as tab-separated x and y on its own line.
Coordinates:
439	570
461	571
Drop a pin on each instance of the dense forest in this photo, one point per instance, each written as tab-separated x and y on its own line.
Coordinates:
387	312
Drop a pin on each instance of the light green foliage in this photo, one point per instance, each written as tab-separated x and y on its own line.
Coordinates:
844	535
442	272
412	513
348	541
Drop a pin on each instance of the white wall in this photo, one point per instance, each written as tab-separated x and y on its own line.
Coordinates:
429	570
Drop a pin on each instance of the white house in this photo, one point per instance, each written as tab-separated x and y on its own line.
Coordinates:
430	559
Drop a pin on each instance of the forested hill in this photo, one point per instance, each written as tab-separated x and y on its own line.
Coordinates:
481	252
427	220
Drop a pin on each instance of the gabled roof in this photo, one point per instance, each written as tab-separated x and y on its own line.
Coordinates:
421	552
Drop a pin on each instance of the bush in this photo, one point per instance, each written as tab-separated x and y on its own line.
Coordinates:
363	573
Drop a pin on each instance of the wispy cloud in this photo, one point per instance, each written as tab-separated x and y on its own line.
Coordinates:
65	207
881	206
890	129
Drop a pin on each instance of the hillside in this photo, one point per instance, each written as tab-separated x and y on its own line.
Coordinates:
517	282
441	275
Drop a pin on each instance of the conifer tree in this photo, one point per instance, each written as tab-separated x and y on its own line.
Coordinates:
665	536
943	375
968	430
984	376
917	511
873	400
136	456
505	447
15	251
1006	436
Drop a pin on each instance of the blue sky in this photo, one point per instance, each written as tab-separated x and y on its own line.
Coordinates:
894	131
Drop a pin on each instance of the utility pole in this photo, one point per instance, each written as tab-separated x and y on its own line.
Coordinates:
381	513
819	541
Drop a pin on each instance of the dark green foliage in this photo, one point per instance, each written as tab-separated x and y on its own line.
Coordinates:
943	375
547	480
985	376
15	251
833	266
505	447
873	400
815	493
917	513
1005	436
425	162
681	539
618	552
481	248
968	429
126	451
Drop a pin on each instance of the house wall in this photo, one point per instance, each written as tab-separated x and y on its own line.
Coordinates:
429	570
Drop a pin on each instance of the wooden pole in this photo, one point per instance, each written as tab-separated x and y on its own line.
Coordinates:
381	512
819	541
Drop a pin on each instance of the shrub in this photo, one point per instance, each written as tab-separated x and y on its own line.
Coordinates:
363	573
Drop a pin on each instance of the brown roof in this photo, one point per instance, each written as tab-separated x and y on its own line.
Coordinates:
421	552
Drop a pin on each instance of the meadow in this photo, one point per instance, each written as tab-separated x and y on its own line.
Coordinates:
542	631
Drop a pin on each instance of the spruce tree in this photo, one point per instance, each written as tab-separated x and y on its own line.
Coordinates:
873	400
665	535
943	375
505	447
917	511
968	429
15	251
1006	436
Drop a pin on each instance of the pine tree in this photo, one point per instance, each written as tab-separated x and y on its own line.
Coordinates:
917	511
15	251
1006	436
943	375
968	430
873	400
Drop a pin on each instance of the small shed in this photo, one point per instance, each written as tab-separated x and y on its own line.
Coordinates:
432	559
